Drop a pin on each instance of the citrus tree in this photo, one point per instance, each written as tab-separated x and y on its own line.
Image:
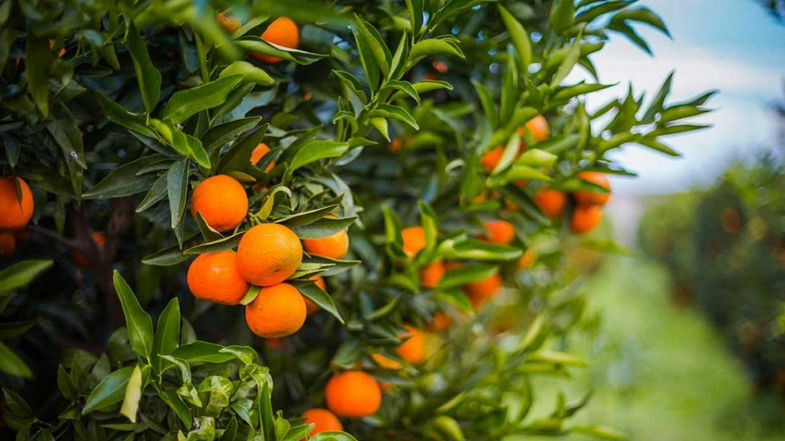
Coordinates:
366	202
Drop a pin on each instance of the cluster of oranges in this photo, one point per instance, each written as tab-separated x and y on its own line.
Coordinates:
587	213
16	209
266	256
281	31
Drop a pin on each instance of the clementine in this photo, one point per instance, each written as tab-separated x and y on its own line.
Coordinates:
268	254
221	201
214	277
15	209
282	32
277	311
353	394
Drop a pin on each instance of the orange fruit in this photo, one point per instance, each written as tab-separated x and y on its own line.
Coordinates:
527	259
440	322
551	202
537	126
323	421
310	306
592	197
258	153
276	312
268	254
432	274
227	22
15	212
499	231
221	201
386	362
480	291
413	348
214	277
282	32
353	394
585	218
7	245
334	246
492	157
81	259
413	240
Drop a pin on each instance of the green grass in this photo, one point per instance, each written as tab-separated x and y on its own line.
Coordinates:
660	372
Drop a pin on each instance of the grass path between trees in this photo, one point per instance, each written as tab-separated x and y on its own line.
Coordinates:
660	372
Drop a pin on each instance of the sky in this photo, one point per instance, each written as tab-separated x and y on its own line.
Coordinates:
730	45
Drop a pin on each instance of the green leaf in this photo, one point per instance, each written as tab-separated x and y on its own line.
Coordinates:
181	142
658	146
156	194
415	9
109	391
588	15
321	298
220	135
569	62
479	250
139	323
466	274
367	58
221	244
147	75
316	150
332	436
658	101
167	332
323	227
123	180
565	93
520	39
185	103
644	15
397	112
371	37
255	44
177	190
133	393
202	352
249	72
38	58
561	16
434	46
173	400
11	364
118	115
21	273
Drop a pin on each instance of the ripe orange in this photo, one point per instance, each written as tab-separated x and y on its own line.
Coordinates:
227	22
276	312
499	231
396	144
551	202
7	245
432	274
282	32
492	157
585	218
334	246
310	306
15	212
323	421
590	197
214	277
221	201
527	259
268	254
480	291
413	240
440	322
81	259
538	127
353	394
258	153
413	348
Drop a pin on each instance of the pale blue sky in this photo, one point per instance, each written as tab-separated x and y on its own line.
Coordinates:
730	45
